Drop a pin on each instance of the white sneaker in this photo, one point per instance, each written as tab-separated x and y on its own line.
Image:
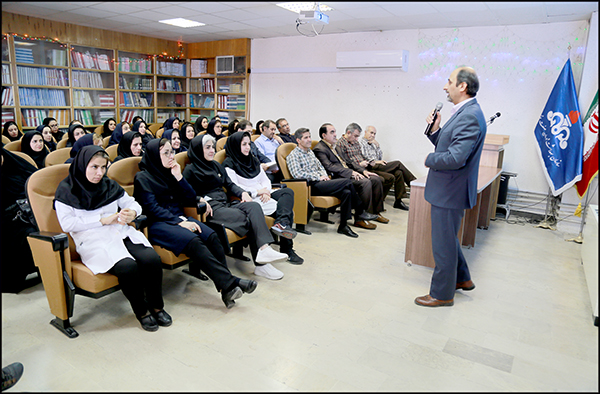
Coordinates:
269	255
268	271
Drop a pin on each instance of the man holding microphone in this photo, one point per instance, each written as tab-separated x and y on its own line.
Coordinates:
451	185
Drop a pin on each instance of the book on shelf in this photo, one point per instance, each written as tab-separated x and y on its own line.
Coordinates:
85	115
42	76
104	115
8	116
23	55
198	67
86	79
7	96
106	100
6	74
42	97
57	57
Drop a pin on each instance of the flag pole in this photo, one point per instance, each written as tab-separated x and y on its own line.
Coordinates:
550	205
579	238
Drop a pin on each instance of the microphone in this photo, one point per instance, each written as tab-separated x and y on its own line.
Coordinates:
438	107
497	115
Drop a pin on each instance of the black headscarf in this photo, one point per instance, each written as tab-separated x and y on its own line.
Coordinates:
147	137
198	125
153	176
168	134
210	130
204	176
38	157
77	192
51	145
245	166
106	131
116	135
124	148
85	140
5	131
71	141
14	174
168	125
185	141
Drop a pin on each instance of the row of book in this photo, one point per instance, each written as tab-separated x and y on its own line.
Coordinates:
8	116
85	79
133	65
42	76
235	87
224	116
169	85
7	96
135	83
198	67
131	99
82	98
85	116
6	74
232	102
162	116
56	57
42	97
167	68
95	61
198	102
202	85
23	55
146	114
34	117
105	115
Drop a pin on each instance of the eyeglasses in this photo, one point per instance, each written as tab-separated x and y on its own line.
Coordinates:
168	153
283	125
53	125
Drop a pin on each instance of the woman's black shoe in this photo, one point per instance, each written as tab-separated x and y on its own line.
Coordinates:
148	322
162	318
229	297
247	285
198	275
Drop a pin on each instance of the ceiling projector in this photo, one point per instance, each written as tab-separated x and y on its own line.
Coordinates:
313	16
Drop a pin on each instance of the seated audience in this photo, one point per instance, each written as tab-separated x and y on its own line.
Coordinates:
108	127
173	136
136	118
162	192
231	126
96	212
402	176
208	178
368	185
142	127
88	139
12	131
129	146
268	143
215	129
244	170
201	124
303	164
171	123
56	132
258	127
246	125
187	134
76	131
47	136
32	144
118	132
284	130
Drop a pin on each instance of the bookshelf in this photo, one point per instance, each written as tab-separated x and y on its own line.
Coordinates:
171	88
136	93
8	97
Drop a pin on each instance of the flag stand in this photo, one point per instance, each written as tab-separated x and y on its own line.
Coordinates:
550	205
579	238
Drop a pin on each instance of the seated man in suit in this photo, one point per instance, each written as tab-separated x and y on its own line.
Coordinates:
368	185
267	143
366	153
303	164
284	130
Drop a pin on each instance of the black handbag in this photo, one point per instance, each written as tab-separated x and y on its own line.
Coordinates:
23	212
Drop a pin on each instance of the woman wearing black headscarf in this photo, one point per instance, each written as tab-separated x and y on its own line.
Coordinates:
17	261
47	135
76	131
12	131
32	144
215	129
174	136
88	139
243	168
186	134
162	191
171	123
142	127
109	127
129	146
118	132
96	211
201	124
208	178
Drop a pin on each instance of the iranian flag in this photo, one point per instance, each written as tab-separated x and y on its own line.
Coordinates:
590	148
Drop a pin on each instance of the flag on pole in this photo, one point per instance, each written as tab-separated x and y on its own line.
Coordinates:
590	152
559	134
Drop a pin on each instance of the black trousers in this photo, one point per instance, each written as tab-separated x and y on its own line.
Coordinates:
285	206
343	189
259	232
210	258
370	191
396	174
140	278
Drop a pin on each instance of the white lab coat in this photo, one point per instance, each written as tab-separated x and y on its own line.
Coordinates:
100	247
261	181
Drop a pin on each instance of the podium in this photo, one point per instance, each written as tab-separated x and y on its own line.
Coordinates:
418	237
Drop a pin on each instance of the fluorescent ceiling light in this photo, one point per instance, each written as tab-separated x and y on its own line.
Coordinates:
305	6
180	22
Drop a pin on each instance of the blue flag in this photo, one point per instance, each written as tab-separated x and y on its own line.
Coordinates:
559	134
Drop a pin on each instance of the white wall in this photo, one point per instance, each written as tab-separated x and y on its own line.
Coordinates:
295	78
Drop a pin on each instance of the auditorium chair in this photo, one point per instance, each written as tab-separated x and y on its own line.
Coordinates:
160	132
58	156
14	146
221	144
99	129
63	142
254	137
105	142
5	140
153	127
112	152
26	157
304	202
63	274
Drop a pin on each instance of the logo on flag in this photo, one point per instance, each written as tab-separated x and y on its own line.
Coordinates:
559	134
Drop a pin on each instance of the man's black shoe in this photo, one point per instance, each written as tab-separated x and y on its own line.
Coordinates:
346	230
247	285
148	322
293	258
399	204
229	297
162	318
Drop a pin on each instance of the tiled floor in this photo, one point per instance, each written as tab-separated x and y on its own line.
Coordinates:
345	320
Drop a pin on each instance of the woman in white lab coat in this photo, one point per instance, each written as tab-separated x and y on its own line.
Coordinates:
96	211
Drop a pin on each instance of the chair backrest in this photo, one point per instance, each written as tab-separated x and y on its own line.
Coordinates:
313	144
280	155
5	140
221	144
183	159
62	143
159	132
41	188
99	130
220	156
59	156
26	157
14	146
254	137
105	142
123	172
153	127
112	151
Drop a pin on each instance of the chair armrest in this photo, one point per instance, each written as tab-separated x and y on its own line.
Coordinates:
140	222
59	241
200	206
294	180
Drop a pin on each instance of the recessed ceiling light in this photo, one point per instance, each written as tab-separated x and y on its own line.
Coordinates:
305	6
180	22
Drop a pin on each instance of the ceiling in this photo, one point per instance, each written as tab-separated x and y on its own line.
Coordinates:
228	20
